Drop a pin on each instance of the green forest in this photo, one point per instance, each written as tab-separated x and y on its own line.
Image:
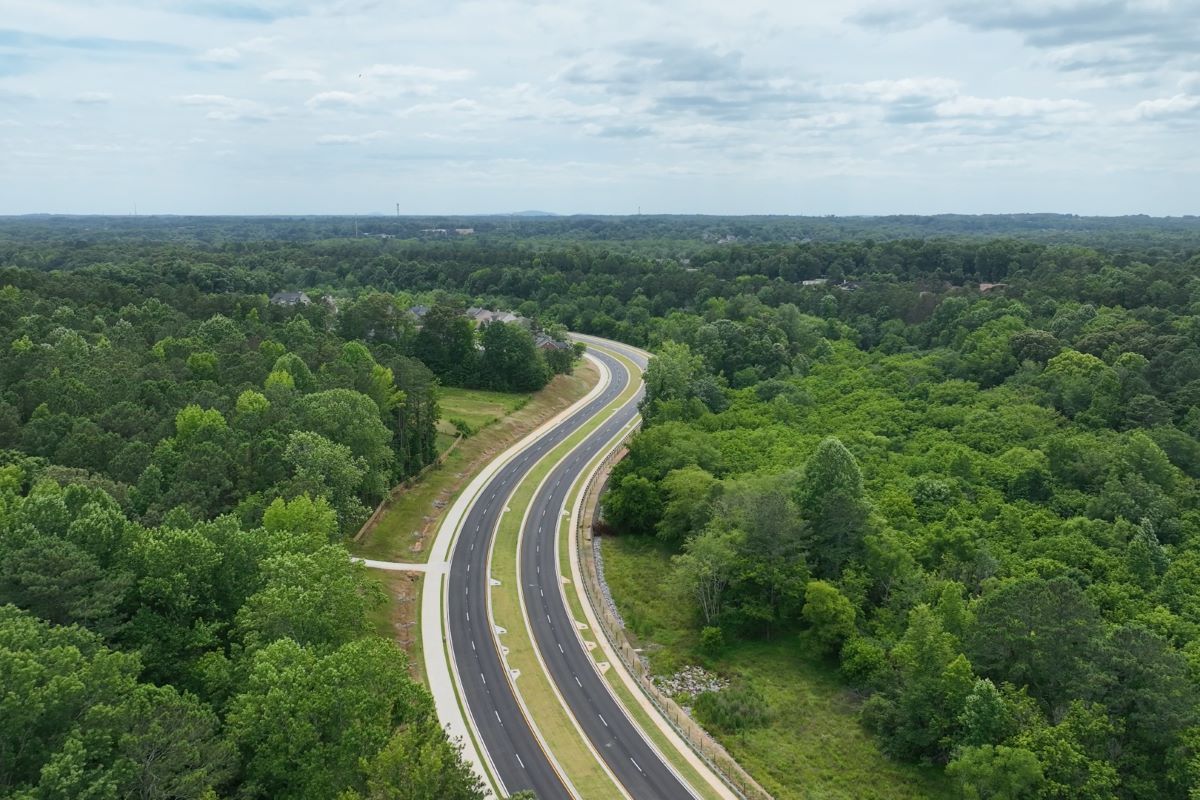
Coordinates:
955	457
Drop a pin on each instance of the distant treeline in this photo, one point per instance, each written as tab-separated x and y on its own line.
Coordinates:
645	233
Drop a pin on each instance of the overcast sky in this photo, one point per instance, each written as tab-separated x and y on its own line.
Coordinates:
711	106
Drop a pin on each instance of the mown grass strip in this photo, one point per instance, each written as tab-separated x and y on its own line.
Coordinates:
549	715
573	592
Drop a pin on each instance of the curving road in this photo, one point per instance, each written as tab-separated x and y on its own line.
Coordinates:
517	758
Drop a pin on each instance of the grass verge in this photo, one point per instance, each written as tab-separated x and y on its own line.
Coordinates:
814	746
557	729
622	692
406	526
476	407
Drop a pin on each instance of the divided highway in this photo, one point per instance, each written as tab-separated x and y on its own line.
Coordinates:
512	748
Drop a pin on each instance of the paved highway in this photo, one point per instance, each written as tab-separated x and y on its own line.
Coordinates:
512	748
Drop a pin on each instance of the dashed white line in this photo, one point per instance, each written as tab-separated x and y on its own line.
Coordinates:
519	761
577	682
602	719
497	713
639	769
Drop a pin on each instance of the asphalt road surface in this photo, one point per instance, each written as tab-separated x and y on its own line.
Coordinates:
513	749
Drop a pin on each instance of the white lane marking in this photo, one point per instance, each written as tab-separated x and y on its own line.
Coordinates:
639	769
564	652
497	713
548	619
483	679
472	644
519	761
468	616
577	682
541	593
602	719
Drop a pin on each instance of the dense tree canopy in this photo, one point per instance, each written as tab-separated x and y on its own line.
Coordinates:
979	500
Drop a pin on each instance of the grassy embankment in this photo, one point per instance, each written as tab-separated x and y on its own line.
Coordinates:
814	746
499	420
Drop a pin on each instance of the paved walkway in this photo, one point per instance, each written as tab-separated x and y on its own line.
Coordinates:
433	567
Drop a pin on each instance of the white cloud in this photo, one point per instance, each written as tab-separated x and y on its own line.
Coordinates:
289	75
968	106
223	108
223	56
338	99
1164	108
416	72
350	138
232	55
93	98
896	90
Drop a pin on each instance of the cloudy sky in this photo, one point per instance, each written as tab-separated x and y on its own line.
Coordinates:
712	106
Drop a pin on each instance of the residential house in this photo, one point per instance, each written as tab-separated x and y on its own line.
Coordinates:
544	341
290	299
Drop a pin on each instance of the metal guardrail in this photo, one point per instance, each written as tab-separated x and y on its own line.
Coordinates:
696	737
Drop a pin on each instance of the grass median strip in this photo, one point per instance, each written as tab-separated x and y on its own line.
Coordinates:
552	719
575	604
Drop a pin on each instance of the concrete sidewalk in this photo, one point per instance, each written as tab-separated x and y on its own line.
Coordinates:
431	568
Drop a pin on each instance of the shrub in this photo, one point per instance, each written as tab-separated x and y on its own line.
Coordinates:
732	710
712	639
